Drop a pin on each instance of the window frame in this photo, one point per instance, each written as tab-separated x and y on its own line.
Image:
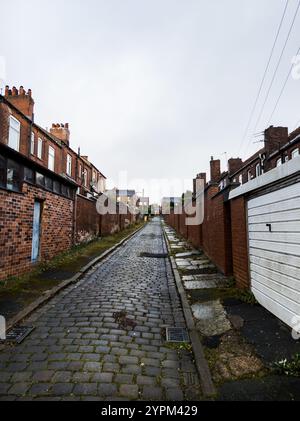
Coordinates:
40	148
69	165
258	170
51	156
19	178
85	177
295	152
11	128
32	143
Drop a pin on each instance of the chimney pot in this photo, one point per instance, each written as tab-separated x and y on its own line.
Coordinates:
61	131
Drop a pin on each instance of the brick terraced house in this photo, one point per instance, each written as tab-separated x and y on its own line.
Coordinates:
47	191
223	235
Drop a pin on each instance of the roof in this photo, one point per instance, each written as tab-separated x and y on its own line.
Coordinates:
50	136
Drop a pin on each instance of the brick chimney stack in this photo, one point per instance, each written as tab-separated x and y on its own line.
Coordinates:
215	170
62	132
275	138
234	164
201	176
21	100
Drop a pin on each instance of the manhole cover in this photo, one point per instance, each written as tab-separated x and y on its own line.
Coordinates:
177	334
18	334
155	255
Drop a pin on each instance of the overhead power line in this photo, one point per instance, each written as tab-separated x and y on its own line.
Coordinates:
276	69
282	90
264	74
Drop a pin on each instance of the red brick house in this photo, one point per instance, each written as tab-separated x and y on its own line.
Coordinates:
47	191
223	234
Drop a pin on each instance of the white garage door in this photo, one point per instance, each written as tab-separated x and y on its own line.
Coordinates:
274	249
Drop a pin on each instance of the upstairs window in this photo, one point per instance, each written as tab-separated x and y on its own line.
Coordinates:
278	162
69	165
295	153
14	133
51	158
85	176
241	179
32	144
258	170
249	176
40	148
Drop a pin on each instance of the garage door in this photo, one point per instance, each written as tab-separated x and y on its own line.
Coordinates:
274	249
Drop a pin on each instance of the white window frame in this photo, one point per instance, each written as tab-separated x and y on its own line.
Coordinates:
257	170
14	133
241	179
69	165
51	158
279	162
32	143
295	153
85	177
40	148
249	175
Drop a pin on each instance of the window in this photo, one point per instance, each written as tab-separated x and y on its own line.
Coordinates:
241	179
295	153
69	165
14	133
85	175
11	174
14	176
249	176
257	170
278	162
94	176
32	144
28	175
49	183
80	171
64	190
40	179
40	148
56	187
51	158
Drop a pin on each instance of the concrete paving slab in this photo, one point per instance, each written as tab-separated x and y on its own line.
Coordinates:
211	318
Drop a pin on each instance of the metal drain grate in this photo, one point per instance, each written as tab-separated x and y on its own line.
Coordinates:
18	334
154	255
177	334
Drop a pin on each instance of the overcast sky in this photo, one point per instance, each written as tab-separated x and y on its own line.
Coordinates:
153	87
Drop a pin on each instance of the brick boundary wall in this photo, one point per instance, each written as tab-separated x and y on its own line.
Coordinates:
88	221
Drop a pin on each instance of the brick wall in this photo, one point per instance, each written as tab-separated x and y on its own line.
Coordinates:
88	221
216	230
239	242
16	222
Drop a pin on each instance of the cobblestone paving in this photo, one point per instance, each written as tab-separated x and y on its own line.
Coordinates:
79	351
